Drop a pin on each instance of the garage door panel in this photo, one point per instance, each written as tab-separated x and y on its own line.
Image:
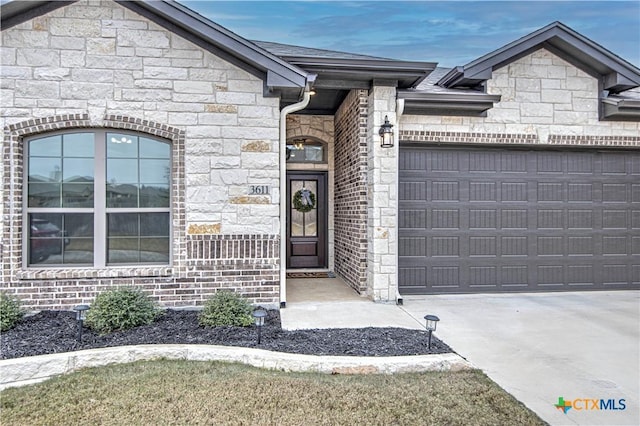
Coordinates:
511	246
445	219
514	276
444	246
580	163
614	193
511	191
412	219
409	191
580	192
483	191
614	164
495	220
514	162
551	191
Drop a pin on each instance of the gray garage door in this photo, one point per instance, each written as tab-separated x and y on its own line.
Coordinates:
492	220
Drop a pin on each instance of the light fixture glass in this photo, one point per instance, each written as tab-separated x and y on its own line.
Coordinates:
386	134
258	316
431	324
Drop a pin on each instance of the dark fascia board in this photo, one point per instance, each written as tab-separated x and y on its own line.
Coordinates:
619	75
407	73
621	109
429	103
186	23
16	12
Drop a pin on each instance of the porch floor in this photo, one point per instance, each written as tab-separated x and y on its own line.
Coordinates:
331	303
319	290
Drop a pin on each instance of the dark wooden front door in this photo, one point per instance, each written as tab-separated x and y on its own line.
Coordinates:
306	224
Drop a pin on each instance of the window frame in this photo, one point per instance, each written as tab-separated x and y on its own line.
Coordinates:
100	211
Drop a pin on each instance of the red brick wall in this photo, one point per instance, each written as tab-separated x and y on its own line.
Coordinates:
350	205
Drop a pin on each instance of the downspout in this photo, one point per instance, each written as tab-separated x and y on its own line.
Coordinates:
399	112
283	191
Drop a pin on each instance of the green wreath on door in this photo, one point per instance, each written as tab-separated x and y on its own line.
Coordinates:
304	200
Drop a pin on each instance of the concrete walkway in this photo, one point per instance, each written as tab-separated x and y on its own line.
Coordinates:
538	347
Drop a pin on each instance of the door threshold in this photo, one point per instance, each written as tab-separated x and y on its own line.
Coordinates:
310	273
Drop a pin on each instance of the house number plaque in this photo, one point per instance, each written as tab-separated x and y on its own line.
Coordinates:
258	190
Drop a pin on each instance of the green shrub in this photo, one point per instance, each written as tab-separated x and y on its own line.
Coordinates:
226	308
121	309
10	312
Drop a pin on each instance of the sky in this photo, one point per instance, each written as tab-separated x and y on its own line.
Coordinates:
451	33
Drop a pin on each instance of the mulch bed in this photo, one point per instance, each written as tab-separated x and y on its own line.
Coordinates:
55	331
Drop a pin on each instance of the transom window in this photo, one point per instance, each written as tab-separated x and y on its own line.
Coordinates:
97	198
305	151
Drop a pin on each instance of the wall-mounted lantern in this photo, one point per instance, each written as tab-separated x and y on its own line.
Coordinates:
386	133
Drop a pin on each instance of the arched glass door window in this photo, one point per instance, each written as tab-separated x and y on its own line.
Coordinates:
97	198
305	151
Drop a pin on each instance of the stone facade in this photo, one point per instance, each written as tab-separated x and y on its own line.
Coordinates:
351	157
95	64
382	210
545	100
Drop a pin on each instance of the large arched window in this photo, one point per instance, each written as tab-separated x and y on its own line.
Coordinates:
97	198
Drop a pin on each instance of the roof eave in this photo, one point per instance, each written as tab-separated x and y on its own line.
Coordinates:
17	12
465	104
618	74
173	15
407	73
276	72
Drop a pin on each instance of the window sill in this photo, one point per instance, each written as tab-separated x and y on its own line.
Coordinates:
91	273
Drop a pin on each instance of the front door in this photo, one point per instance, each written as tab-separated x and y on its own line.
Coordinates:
306	220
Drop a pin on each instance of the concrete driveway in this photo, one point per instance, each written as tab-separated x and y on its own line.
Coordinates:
539	347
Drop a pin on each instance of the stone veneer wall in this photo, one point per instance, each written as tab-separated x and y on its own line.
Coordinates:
543	97
96	64
351	190
382	184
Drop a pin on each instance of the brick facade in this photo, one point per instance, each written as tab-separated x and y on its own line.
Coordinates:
95	64
351	151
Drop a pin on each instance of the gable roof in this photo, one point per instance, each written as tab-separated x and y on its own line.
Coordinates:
618	75
280	77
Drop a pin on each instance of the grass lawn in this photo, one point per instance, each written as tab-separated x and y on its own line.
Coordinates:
183	392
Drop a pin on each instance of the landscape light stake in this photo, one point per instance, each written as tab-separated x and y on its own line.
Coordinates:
432	323
81	311
258	316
